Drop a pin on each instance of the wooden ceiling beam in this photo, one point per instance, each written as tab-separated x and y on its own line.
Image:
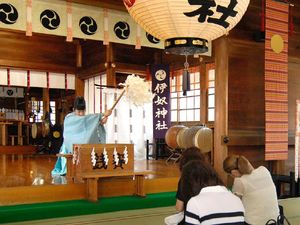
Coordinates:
131	68
109	4
120	68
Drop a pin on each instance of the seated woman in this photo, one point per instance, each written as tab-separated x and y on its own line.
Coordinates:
187	156
181	200
256	189
210	202
80	129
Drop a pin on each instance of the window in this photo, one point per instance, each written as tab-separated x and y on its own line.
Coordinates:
37	111
52	112
211	93
185	108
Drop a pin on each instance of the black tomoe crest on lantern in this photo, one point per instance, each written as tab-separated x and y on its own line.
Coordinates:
122	30
152	39
50	19
88	25
8	13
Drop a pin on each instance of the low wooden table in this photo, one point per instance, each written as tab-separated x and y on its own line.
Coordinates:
92	182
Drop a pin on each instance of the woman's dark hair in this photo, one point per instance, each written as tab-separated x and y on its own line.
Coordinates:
196	175
190	154
79	103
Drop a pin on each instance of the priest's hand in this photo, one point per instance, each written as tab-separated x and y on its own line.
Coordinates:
106	114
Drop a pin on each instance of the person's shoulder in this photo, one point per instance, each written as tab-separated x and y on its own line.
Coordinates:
194	200
261	172
93	115
70	115
262	169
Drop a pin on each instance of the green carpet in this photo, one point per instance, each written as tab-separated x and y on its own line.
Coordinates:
152	216
38	211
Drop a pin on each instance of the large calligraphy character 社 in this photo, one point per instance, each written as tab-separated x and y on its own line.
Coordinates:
205	11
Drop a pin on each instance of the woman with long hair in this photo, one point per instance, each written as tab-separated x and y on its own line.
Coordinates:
188	155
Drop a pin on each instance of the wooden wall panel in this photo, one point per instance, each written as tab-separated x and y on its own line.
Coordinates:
246	89
255	154
246	86
93	53
39	52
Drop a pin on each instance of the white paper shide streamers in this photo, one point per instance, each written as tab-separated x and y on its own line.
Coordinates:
137	90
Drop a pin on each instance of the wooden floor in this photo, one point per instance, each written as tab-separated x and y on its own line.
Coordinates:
24	174
27	170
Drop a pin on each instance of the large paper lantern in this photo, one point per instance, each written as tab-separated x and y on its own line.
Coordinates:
187	25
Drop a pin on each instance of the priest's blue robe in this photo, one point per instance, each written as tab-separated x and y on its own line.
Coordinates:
79	130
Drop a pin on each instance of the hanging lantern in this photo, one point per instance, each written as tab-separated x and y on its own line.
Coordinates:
187	25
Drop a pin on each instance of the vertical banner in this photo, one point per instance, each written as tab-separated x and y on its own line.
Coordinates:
161	101
297	140
276	81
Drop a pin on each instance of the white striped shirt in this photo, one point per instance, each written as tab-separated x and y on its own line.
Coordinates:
214	205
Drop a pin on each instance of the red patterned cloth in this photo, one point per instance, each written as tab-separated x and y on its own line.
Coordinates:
276	83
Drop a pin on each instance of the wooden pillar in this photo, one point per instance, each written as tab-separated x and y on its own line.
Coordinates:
27	109
78	55
46	100
221	104
157	57
3	156
110	65
92	189
79	86
278	166
203	95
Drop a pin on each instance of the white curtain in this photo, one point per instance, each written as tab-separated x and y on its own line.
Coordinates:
128	123
37	79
